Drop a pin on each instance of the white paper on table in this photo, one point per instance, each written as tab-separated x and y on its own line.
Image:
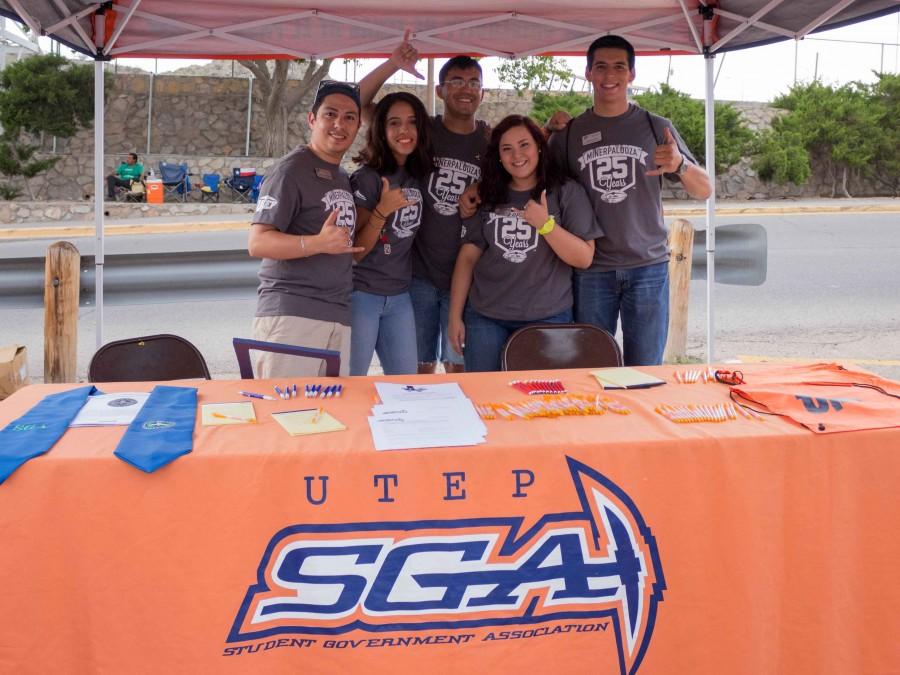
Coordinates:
103	410
426	425
401	393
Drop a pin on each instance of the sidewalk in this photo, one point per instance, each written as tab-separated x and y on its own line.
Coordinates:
240	221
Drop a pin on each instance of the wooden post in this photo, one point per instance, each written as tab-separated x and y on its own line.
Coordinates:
61	289
681	245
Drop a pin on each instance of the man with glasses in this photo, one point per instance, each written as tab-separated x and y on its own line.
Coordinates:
459	141
303	231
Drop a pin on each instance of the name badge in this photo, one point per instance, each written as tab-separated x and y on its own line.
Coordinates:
324	174
595	137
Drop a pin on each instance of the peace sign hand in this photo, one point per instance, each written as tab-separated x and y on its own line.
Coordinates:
667	157
405	56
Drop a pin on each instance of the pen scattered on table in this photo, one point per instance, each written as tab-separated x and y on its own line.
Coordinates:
214	414
693	376
715	412
253	394
223	416
552	406
316	391
535	387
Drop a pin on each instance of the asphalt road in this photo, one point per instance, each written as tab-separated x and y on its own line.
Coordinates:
832	293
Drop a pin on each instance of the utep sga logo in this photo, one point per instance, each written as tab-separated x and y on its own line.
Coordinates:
600	561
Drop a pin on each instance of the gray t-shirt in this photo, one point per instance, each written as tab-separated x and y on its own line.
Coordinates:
387	268
296	197
518	276
611	157
457	164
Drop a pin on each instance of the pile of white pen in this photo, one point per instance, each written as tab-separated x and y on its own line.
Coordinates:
715	412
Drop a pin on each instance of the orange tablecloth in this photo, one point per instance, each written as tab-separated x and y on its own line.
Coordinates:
593	544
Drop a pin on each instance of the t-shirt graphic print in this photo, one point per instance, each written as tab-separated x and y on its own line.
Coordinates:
613	169
512	234
341	200
448	181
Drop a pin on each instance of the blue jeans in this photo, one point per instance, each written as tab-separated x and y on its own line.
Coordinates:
383	324
432	308
641	295
485	337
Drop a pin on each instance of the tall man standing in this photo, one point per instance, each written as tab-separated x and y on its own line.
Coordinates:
620	152
303	231
459	141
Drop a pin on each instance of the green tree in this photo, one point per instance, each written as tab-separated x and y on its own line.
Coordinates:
279	101
43	94
545	104
534	73
837	127
885	166
733	137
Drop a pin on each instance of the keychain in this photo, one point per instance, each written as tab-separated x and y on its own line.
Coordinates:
386	245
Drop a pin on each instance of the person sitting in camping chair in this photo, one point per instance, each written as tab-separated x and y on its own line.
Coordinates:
128	171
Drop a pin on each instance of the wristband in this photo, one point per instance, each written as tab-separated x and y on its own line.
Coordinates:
379	214
302	244
547	227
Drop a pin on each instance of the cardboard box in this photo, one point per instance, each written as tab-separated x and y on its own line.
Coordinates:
13	369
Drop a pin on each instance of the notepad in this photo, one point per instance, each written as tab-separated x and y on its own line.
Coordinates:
625	378
301	422
214	414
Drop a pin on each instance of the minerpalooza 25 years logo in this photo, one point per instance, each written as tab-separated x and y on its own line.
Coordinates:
388	581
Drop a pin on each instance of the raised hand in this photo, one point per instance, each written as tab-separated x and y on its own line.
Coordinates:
333	239
667	156
405	56
536	213
392	199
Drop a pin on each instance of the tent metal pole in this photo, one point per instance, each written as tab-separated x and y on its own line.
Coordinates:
710	207
249	114
429	88
99	194
149	115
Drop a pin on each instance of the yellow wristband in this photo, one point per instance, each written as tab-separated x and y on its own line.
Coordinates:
547	227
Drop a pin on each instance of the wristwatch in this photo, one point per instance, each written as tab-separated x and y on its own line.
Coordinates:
683	167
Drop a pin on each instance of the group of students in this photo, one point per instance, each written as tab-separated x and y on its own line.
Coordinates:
452	235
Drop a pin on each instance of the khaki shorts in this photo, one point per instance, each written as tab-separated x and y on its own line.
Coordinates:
295	330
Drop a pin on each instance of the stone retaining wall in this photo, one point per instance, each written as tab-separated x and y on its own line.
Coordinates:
203	121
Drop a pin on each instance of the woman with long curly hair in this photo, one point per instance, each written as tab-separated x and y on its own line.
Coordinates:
515	265
388	194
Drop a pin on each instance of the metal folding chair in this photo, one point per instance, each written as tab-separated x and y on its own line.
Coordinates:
551	346
243	346
241	184
148	358
175	180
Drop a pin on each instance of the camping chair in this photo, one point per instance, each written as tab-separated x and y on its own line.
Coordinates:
148	358
209	191
242	347
551	346
241	184
135	192
175	180
254	191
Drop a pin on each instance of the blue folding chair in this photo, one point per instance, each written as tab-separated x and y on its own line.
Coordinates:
242	347
254	191
241	184
175	180
209	191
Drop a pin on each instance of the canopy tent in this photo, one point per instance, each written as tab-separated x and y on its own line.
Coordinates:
270	29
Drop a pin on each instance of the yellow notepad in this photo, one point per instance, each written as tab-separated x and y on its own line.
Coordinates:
625	378
303	422
213	414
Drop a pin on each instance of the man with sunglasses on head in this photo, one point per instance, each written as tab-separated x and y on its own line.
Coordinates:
303	231
459	141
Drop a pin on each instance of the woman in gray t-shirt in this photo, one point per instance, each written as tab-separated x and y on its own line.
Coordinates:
388	195
515	264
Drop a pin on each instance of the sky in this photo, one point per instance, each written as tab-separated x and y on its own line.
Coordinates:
759	74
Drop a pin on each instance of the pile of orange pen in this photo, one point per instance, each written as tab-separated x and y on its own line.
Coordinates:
552	406
714	412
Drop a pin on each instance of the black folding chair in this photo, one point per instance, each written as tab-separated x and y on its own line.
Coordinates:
148	358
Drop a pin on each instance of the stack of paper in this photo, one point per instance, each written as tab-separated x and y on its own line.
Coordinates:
102	410
424	416
625	378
